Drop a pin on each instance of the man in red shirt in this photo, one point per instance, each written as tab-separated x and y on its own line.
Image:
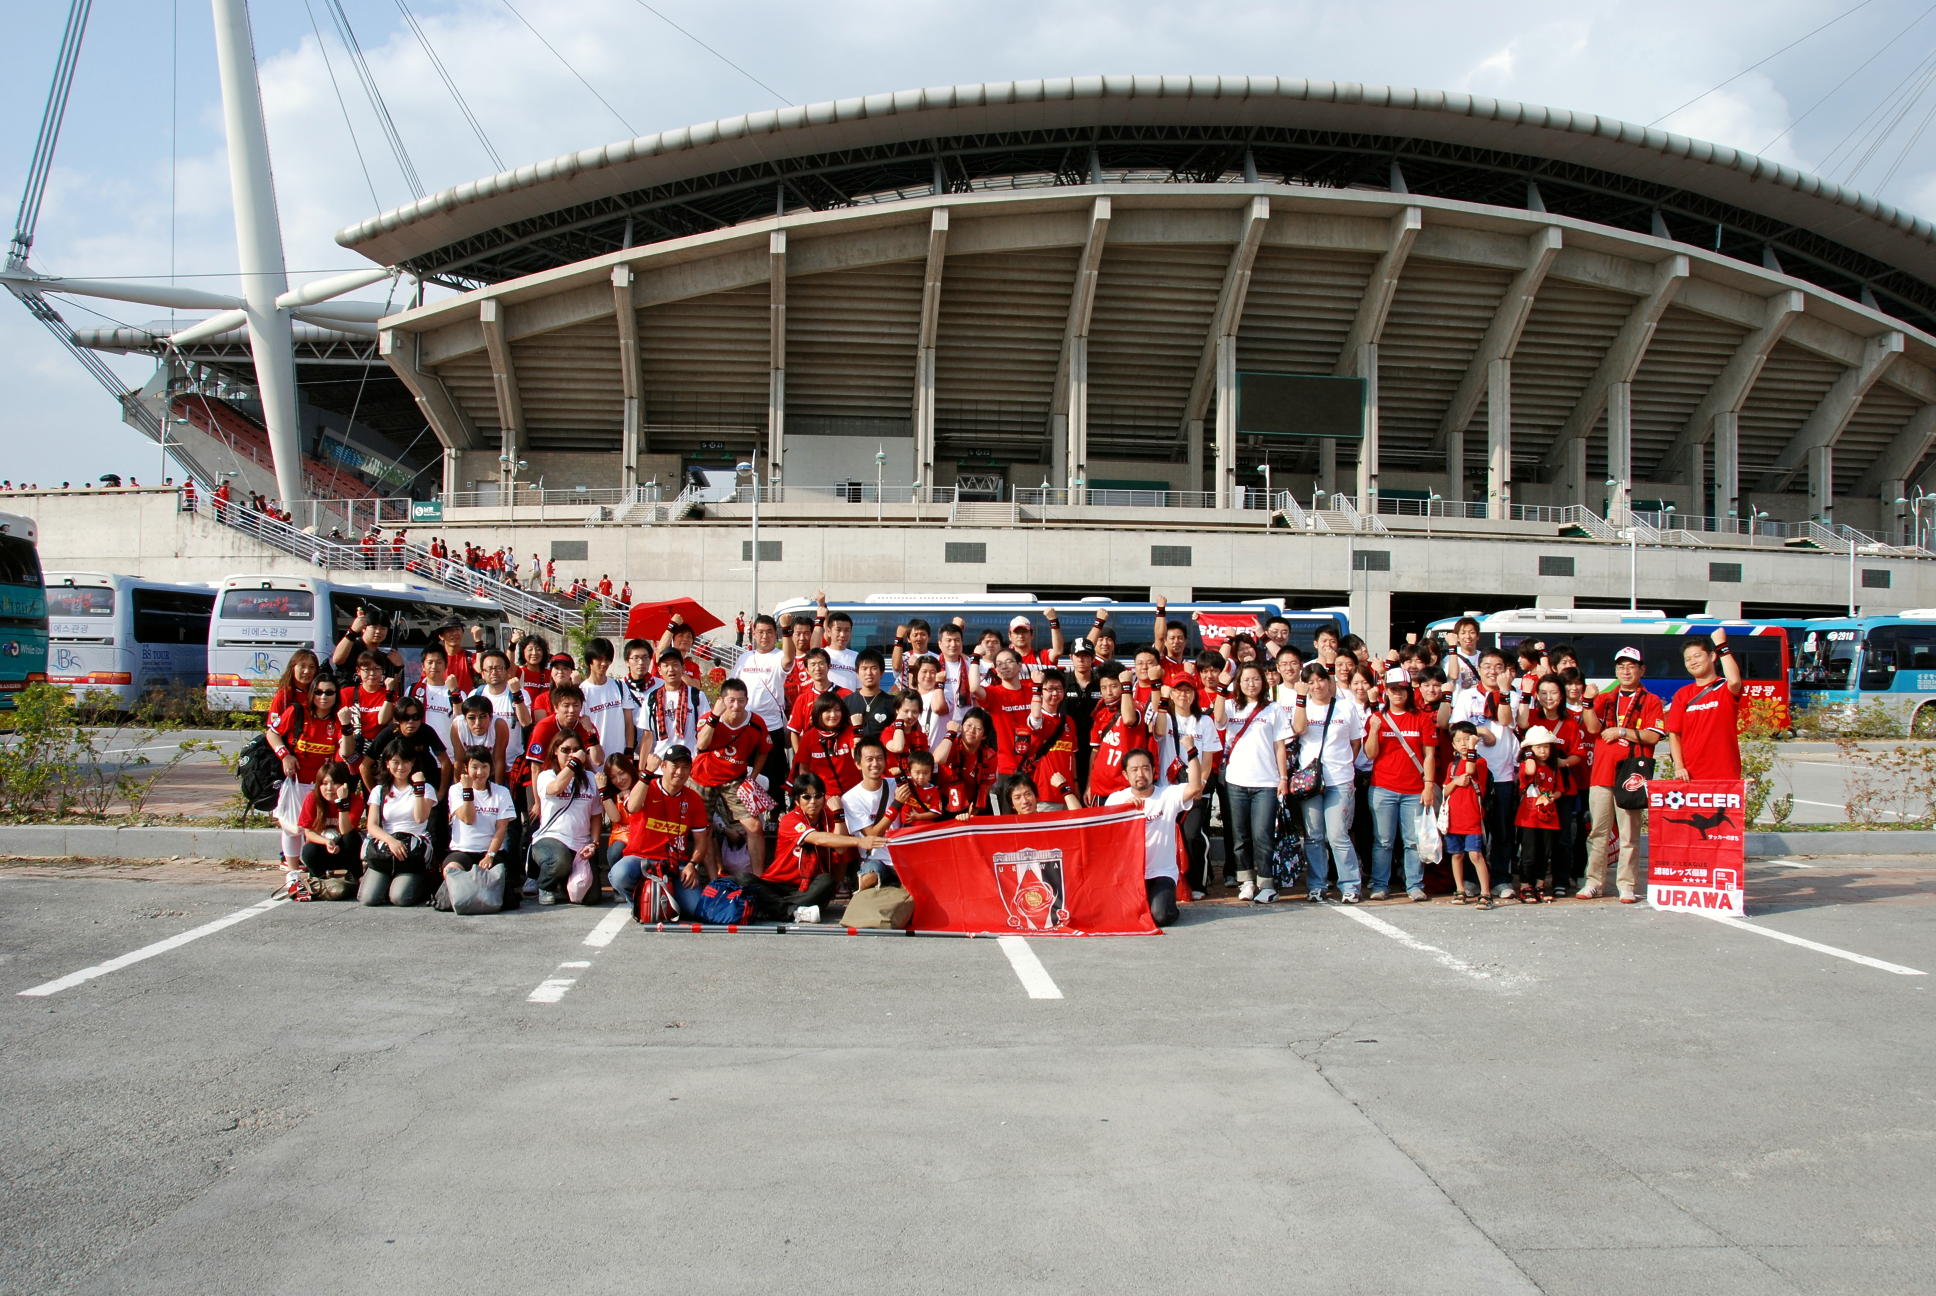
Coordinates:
819	668
1173	639
1021	639
732	743
1627	722
1007	699
1403	744
665	828
1703	722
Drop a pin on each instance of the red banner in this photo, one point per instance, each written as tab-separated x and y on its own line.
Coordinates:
1071	873
1696	845
1215	627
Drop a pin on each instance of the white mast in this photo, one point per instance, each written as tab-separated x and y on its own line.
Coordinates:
258	240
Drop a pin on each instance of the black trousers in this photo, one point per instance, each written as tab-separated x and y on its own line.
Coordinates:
348	857
1162	900
1541	850
1193	830
1502	834
775	902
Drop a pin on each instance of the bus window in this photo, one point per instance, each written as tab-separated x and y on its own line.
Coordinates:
269	605
1890	649
19	562
80	601
170	616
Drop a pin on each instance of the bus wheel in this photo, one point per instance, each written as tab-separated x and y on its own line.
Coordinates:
1923	724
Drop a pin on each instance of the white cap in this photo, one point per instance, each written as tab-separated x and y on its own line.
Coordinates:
1397	675
1628	654
1538	734
1021	623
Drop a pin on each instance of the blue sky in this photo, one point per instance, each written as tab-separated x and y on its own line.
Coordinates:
118	207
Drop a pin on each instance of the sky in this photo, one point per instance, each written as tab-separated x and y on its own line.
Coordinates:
140	183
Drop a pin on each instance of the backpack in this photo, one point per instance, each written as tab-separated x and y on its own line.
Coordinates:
724	902
259	773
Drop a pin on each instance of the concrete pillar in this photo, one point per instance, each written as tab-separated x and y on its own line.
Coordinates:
1697	480
1193	448
1371	618
776	349
1727	463
1896	514
1455	465
1076	461
776	421
924	420
1724	609
1620	450
1328	464
1226	460
1553	598
628	446
453	472
1499	439
1821	482
1368	446
1573	474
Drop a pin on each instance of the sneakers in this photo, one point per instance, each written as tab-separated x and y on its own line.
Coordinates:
807	914
1352	897
1503	891
1589	892
546	898
1313	897
1471	888
1266	894
1196	895
1381	894
1248	891
1628	897
1416	895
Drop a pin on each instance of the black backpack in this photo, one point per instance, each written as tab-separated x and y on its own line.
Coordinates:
259	770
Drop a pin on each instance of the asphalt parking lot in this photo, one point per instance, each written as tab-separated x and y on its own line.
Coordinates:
1570	1098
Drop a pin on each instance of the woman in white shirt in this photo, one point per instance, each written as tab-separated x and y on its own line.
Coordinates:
1256	772
569	808
396	848
1330	730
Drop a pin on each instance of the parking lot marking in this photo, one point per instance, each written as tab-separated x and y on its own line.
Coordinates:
73	979
1443	958
551	990
608	928
1028	969
1819	948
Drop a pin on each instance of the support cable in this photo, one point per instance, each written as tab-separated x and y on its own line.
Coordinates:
51	118
477	129
322	46
1758	62
363	74
1885	47
629	128
728	62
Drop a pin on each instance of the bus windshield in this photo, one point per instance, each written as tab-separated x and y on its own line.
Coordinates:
80	601
1825	659
268	605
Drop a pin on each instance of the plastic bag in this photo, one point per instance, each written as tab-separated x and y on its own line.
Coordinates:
477	890
1431	845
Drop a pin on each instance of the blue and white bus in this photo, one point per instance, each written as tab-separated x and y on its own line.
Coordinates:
119	640
23	609
1850	662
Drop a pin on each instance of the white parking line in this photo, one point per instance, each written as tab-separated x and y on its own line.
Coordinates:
73	979
1819	948
553	988
1028	969
1443	958
608	928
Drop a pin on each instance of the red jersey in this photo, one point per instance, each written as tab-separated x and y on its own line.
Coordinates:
967	778
913	739
534	678
1620	709
1541	778
794	681
543	732
929	798
1465	807
315	816
1177	671
1394	768
830	755
1572	739
1008	707
800	710
1110	740
1049	751
1707	719
732	752
368	705
662	828
794	862
315	741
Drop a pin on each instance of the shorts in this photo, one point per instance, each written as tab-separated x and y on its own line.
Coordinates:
1464	844
726	802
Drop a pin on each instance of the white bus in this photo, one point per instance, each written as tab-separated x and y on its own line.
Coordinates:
119	640
260	620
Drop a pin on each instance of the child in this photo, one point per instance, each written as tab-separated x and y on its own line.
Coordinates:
905	735
1540	786
1465	813
919	799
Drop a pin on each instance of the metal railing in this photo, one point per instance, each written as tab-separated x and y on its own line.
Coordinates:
1433	508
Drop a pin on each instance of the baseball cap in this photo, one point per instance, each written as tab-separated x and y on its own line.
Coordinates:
1021	623
1082	646
1629	654
1397	675
677	754
561	659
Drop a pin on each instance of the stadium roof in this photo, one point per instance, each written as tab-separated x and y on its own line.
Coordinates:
1177	129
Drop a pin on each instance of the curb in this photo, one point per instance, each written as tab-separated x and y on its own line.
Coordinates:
103	841
1854	841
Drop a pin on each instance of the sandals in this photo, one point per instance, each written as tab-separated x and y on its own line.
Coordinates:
1560	893
1458	897
1484	902
1527	895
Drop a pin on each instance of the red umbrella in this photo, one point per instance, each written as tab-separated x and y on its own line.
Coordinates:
649	620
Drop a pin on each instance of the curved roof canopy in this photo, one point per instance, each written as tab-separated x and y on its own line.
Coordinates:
1182	130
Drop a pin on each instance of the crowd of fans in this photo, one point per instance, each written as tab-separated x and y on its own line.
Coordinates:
1328	761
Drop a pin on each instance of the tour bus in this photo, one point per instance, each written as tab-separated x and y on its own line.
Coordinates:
1854	661
1596	634
260	620
119	639
23	609
1134	623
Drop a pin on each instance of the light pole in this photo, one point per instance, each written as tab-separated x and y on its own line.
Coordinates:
1264	468
915	486
1316	495
880	479
1431	498
1851	531
752	470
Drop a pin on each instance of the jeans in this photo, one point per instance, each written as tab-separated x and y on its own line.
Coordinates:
1253	814
776	901
554	859
1327	819
626	875
1394	814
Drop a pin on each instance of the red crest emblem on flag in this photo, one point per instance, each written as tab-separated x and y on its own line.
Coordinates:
1030	884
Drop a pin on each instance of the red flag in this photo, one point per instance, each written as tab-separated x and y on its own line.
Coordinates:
1696	844
1071	873
1215	627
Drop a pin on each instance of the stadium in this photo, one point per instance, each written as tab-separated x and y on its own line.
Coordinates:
1044	331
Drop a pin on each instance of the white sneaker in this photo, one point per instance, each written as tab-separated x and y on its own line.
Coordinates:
1196	895
1247	890
807	914
1266	894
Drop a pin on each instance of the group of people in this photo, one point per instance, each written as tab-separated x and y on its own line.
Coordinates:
623	769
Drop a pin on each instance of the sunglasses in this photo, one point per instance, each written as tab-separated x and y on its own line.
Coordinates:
409	715
329	692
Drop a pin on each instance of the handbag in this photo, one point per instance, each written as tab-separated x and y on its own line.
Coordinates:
1308	779
654	903
1631	773
478	890
880	906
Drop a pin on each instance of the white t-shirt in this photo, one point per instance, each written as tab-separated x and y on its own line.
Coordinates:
491	805
505	705
567	819
605	706
671	718
1469	704
764	674
1252	759
1159	825
1347	722
1502	753
863	809
841	672
397	811
439	703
